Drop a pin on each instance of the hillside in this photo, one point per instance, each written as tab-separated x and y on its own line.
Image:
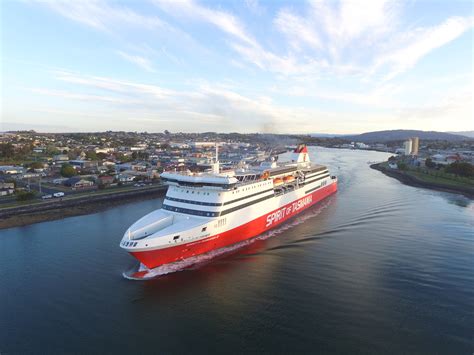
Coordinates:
469	134
402	134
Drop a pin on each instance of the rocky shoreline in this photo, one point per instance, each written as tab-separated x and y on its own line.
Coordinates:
414	181
58	209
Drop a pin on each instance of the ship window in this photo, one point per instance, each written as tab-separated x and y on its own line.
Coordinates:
175	237
203	229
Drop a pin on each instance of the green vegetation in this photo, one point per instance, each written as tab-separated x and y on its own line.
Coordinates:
402	165
429	163
441	178
36	165
461	169
101	156
91	155
67	170
10	155
25	195
458	174
7	150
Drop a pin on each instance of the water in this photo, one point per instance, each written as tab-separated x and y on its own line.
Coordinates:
380	267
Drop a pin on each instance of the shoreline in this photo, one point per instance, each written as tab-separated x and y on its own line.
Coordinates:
54	210
415	182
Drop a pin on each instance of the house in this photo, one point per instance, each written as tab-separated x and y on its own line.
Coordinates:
39	149
7	185
59	181
141	166
104	150
60	158
83	164
106	180
138	148
125	178
77	182
6	188
453	158
11	170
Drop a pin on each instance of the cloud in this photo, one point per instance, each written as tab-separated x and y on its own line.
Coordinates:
438	114
214	105
142	62
82	97
102	16
254	6
414	45
116	20
299	31
370	37
223	20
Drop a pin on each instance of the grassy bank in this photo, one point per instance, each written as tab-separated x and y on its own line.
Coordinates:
435	181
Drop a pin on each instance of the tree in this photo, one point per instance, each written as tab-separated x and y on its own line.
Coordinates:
461	169
25	195
91	155
165	146
72	154
7	150
36	165
67	170
101	156
401	165
429	163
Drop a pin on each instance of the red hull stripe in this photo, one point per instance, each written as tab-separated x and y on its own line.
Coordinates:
157	257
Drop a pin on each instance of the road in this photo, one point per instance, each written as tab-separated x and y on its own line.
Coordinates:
34	186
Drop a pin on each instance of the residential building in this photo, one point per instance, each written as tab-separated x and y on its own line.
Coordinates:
77	182
106	179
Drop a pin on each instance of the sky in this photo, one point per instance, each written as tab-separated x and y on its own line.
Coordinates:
313	66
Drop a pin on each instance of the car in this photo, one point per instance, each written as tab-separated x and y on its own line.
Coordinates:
45	197
58	194
136	185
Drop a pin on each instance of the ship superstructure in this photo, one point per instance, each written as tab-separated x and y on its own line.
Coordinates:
206	211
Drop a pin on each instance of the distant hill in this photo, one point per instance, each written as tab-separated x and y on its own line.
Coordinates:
469	134
326	135
402	134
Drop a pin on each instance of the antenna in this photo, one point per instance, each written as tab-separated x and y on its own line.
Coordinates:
216	169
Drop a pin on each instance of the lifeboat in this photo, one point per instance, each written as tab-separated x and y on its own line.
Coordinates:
288	179
277	182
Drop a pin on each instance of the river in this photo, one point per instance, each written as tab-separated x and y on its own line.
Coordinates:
379	267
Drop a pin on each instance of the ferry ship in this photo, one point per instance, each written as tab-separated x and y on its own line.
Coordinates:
206	211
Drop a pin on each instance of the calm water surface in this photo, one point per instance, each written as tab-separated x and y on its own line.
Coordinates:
380	267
